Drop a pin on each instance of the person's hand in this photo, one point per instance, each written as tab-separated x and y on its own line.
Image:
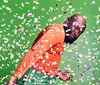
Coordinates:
65	75
12	80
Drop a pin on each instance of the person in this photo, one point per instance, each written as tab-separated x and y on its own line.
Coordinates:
40	65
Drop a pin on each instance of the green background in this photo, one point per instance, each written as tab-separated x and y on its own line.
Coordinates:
82	57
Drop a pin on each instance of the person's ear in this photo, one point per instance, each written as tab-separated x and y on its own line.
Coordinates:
84	28
68	20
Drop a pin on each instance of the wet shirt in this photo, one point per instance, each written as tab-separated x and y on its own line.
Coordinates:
45	54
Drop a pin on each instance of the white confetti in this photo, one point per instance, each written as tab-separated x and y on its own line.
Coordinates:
98	30
97	22
35	2
8	8
6	1
22	4
35	20
99	8
93	2
29	15
27	3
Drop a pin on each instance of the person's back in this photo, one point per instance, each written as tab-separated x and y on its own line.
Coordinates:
50	60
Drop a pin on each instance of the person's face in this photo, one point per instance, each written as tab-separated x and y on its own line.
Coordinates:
74	31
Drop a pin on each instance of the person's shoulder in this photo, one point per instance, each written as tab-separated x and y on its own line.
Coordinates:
56	27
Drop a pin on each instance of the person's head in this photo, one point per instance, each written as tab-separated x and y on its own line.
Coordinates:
74	26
